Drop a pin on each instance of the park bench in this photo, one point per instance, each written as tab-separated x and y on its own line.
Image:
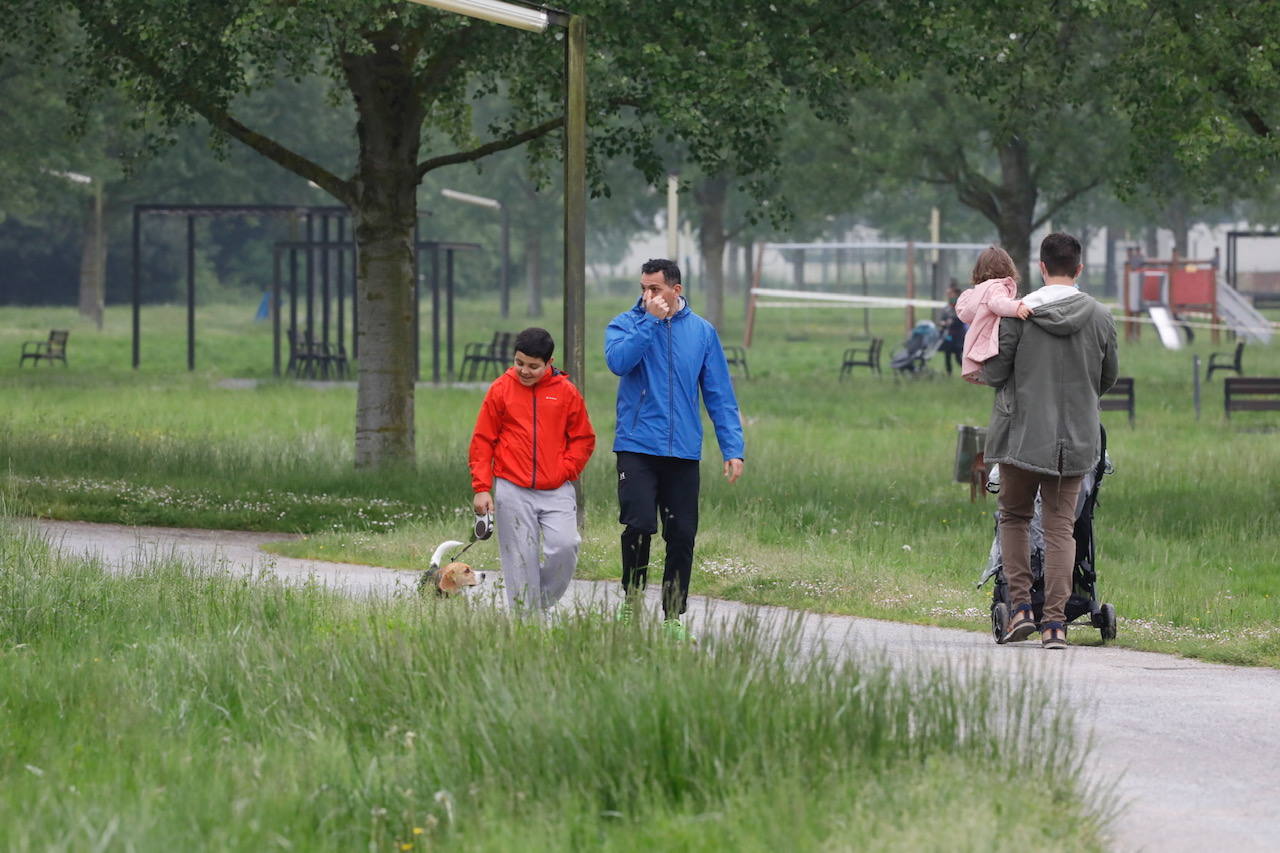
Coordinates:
303	357
868	356
51	350
1251	394
736	356
316	359
334	356
1119	397
478	357
1219	361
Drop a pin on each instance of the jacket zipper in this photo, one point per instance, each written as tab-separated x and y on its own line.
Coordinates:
671	415
533	483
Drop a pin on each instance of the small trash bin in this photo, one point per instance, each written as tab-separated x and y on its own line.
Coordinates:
970	441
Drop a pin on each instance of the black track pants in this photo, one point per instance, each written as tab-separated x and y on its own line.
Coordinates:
649	488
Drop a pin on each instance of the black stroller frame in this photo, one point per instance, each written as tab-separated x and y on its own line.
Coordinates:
1083	600
912	357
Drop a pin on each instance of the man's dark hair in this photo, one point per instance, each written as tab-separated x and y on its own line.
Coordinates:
1060	254
535	343
670	271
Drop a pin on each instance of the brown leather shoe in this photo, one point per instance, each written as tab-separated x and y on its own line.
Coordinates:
1053	635
1021	626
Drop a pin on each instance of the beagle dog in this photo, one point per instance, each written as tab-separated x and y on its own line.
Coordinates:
449	578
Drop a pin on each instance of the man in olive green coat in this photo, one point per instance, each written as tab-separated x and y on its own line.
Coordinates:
1044	431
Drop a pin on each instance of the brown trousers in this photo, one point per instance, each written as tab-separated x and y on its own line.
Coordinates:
1018	488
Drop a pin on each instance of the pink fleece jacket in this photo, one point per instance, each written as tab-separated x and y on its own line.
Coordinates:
982	306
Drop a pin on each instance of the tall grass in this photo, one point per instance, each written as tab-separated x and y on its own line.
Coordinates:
173	707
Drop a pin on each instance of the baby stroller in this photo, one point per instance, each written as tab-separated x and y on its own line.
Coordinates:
1083	599
912	357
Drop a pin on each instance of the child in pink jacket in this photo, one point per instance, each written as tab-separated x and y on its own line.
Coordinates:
994	295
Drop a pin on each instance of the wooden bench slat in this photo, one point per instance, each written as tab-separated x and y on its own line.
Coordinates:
1119	397
1251	394
1255	405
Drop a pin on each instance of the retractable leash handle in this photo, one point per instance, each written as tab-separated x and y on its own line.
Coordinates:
481	529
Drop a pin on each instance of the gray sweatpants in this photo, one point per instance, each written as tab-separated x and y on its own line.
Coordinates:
522	516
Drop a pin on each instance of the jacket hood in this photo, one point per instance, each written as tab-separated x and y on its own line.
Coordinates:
555	374
1061	314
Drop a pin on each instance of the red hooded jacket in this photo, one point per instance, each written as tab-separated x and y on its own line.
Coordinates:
537	437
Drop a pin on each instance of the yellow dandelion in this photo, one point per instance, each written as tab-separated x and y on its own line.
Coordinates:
417	830
408	845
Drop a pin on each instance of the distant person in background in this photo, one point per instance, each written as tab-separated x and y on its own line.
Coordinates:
1045	434
952	328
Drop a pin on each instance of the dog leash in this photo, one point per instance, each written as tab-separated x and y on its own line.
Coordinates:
482	529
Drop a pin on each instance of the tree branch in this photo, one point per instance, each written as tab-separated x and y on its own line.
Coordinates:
218	116
1054	207
489	147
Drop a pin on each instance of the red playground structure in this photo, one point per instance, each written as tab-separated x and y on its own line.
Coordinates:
1182	287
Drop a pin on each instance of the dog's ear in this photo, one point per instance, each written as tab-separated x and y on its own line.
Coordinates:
448	582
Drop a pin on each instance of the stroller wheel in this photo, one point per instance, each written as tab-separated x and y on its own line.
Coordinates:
999	620
1108	626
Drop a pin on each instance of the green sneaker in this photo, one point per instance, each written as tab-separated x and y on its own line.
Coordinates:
676	630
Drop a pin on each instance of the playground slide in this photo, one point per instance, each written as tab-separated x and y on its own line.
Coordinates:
1242	317
1163	321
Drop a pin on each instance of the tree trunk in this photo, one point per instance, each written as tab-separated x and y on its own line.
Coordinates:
384	214
533	267
710	196
1017	207
731	279
1111	274
93	260
1177	214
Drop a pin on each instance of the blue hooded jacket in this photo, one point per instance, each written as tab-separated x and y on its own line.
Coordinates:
663	364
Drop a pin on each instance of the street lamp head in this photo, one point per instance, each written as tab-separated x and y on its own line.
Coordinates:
468	198
507	14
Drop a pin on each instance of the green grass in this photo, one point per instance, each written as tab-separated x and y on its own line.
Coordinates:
173	708
847	504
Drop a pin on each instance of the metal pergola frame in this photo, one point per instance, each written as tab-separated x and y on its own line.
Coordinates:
1233	256
434	247
341	244
191	212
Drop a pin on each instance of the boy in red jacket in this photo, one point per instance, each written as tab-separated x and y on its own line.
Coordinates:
532	440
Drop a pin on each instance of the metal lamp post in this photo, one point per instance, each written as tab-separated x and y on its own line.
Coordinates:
493	204
536	18
93	264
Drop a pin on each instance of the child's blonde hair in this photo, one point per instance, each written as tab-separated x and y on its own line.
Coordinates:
994	262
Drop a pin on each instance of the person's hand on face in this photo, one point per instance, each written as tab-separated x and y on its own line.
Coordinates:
657	306
660	298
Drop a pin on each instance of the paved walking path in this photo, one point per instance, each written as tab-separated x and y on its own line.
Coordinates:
1195	747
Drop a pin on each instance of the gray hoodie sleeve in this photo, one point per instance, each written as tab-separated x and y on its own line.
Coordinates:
997	369
1110	358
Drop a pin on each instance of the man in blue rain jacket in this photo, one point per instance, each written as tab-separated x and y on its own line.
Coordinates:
665	355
